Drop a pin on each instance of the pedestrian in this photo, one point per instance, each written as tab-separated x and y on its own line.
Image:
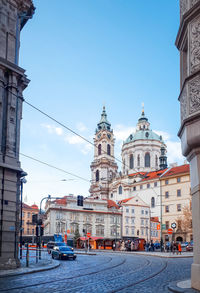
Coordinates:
179	248
173	247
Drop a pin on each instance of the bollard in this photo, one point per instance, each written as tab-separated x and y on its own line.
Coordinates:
27	256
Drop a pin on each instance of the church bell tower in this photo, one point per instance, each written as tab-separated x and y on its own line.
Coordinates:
103	167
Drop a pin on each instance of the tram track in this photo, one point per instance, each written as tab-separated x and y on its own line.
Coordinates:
63	279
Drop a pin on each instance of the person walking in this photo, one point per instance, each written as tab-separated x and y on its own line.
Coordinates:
179	248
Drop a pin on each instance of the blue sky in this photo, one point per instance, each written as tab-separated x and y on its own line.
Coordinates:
80	55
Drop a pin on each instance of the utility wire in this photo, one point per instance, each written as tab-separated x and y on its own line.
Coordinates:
69	129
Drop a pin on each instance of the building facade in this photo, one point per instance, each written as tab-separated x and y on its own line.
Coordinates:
99	217
28	228
13	16
188	42
135	218
176	203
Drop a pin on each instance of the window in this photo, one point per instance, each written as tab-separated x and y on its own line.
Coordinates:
142	221
142	212
146	222
132	221
141	186
153	202
147	160
156	161
33	231
178	207
131	162
142	231
108	149
178	192
166	182
155	184
126	230
134	188
146	212
120	189
138	160
29	214
126	220
167	225
166	194
167	209
127	210
100	219
133	211
111	195
97	175
148	185
132	231
100	230
178	179
22	214
99	149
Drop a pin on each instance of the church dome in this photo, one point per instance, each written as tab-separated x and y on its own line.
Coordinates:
144	134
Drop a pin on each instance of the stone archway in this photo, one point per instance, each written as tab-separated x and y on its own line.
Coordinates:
179	239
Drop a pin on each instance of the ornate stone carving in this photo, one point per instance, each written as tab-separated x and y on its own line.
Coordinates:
183	104
194	95
183	7
195	45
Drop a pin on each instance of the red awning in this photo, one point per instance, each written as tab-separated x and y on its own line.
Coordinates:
92	238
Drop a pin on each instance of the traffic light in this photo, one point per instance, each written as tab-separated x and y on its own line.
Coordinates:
79	200
34	218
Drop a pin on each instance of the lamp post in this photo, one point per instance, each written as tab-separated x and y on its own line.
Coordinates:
22	181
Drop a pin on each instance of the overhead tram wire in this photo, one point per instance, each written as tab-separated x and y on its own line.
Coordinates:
66	127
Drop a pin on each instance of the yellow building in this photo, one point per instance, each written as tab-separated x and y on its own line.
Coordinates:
176	203
27	211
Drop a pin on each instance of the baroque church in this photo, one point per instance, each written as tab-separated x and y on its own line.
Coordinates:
142	153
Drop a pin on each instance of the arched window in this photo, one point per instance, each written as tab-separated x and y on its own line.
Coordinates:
138	160
97	175
99	149
131	162
108	149
147	160
156	161
120	189
153	202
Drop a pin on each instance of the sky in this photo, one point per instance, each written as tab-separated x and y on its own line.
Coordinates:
81	55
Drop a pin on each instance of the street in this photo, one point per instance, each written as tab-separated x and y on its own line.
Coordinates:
104	272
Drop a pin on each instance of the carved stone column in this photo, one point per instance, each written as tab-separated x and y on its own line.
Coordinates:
13	16
188	43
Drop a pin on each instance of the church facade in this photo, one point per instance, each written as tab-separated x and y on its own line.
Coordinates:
143	159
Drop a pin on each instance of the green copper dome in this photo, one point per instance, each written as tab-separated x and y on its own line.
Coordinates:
145	134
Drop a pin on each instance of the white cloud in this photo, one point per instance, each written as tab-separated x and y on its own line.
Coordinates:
122	132
85	147
53	129
81	127
166	136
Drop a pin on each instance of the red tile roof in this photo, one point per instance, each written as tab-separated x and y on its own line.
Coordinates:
177	170
62	201
153	175
111	203
26	206
137	173
125	200
34	206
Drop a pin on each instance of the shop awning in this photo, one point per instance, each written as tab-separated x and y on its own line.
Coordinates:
91	238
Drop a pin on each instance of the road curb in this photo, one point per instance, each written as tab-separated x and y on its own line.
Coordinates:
22	271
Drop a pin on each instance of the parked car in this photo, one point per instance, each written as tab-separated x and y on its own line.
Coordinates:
63	252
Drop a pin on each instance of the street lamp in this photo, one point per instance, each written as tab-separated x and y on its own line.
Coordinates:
22	181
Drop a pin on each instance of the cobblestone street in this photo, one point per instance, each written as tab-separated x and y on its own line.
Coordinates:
104	272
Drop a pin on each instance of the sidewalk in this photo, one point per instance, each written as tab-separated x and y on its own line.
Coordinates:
46	263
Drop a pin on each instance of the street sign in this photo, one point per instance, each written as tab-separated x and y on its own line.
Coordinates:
158	226
163	226
173	225
169	231
88	234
